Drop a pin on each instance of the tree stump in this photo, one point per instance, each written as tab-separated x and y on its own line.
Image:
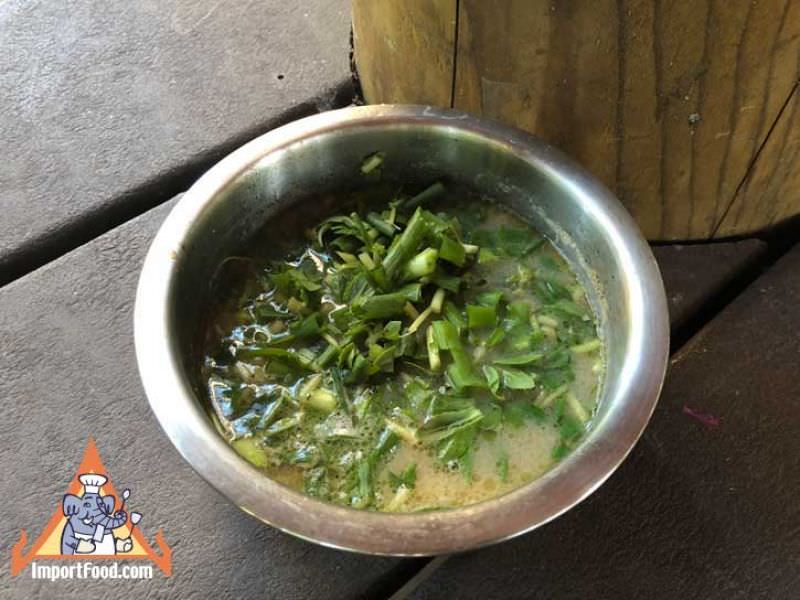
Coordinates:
689	110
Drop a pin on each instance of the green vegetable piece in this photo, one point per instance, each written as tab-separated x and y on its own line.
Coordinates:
519	359
457	445
407	477
452	251
497	336
519	312
586	347
422	265
306	328
454	316
480	316
381	306
490	299
430	193
556	359
492	378
403	432
568	307
486	256
434	359
378	223
290	358
462	373
372	162
551	291
502	466
445	335
341	391
518	241
322	400
386	441
406	244
325	357
515	413
437	301
451	283
282	425
560	451
249	449
570	428
492	416
443	425
553	379
362	496
514	379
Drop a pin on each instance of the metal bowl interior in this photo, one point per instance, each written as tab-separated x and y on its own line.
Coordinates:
287	168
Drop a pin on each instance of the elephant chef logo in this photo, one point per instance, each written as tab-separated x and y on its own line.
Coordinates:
94	521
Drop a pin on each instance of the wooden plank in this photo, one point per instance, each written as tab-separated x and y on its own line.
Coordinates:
69	372
695	275
667	102
771	189
112	107
404	50
706	504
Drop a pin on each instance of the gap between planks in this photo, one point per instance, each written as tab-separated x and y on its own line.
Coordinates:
35	254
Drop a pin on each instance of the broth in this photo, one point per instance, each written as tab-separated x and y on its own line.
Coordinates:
464	369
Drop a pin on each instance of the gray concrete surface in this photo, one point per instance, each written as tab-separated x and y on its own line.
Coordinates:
109	107
68	372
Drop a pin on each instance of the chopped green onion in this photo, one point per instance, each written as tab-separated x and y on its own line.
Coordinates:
407	434
480	316
323	400
419	320
547	321
586	347
445	335
378	223
406	244
372	162
514	379
434	360
250	449
519	359
576	407
437	301
502	466
549	398
452	251
430	193
379	307
422	264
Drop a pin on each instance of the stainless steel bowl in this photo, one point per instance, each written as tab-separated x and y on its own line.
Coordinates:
319	154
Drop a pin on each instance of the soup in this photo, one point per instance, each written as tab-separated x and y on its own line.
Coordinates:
427	352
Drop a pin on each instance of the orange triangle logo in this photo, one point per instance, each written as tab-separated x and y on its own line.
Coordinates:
126	541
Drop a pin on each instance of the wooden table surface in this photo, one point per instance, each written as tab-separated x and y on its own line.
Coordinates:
696	511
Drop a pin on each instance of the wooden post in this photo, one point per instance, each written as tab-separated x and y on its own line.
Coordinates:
688	109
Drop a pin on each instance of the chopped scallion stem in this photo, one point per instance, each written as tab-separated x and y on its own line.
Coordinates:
586	347
437	301
430	193
372	162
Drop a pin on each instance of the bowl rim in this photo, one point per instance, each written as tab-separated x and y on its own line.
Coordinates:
178	411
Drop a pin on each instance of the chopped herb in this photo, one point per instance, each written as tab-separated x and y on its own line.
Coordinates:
405	336
407	477
502	467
